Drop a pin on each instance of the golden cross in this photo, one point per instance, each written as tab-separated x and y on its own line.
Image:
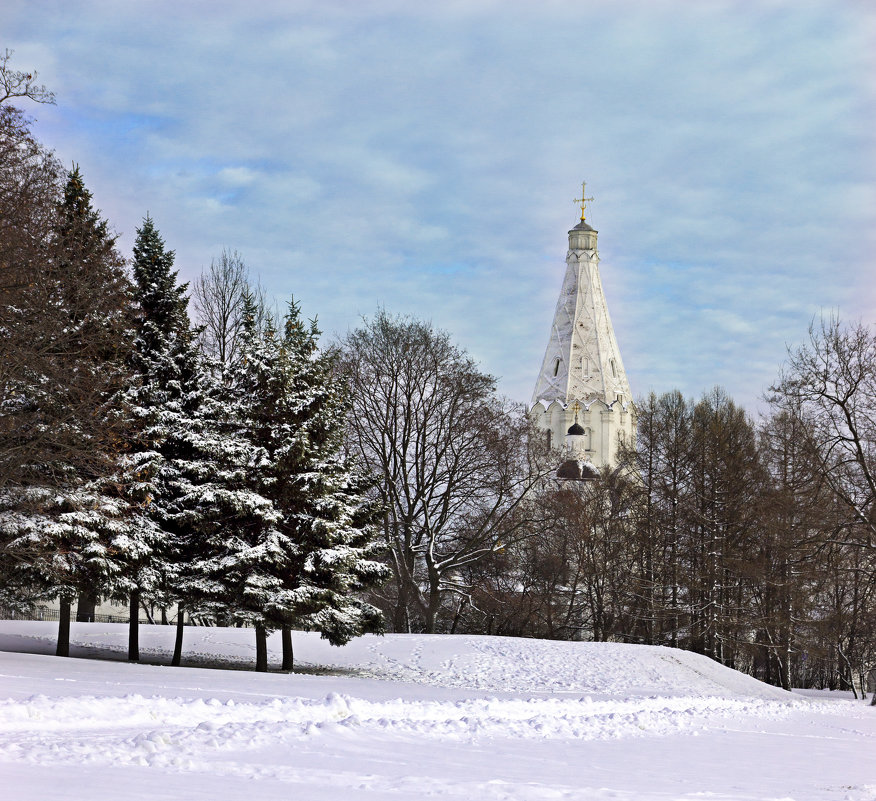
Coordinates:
576	407
583	200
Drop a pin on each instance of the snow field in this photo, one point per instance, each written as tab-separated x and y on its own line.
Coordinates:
411	717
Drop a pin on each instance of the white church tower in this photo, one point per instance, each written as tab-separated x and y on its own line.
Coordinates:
582	398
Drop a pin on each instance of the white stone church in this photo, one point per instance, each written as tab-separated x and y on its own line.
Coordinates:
582	398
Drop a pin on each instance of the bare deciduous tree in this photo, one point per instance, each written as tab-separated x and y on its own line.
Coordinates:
453	459
51	400
830	384
794	514
218	299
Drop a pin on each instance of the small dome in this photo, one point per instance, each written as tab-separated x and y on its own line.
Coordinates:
575	470
569	470
583	226
575	430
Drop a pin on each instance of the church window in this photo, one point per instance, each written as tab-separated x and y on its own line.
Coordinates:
613	369
588	438
557	367
549	437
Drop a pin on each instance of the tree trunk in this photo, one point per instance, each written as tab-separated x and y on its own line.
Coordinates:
134	627
177	645
458	615
63	648
85	607
433	602
261	649
400	611
288	657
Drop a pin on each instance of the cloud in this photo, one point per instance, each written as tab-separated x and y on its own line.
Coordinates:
425	157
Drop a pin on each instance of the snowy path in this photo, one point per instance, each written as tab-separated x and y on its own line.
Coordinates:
416	717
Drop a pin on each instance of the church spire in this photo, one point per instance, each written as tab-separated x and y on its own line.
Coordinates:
582	363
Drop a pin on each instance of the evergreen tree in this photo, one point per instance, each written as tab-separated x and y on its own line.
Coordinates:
179	439
165	365
65	516
289	536
163	302
245	549
199	499
326	501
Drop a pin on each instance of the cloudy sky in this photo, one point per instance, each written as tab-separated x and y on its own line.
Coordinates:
424	157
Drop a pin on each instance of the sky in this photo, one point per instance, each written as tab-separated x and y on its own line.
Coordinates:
424	158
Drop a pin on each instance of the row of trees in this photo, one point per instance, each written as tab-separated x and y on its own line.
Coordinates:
749	548
751	542
141	461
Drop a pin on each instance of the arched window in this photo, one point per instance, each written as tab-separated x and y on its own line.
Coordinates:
588	438
613	369
549	437
557	366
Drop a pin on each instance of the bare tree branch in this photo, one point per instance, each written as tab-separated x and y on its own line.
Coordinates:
17	83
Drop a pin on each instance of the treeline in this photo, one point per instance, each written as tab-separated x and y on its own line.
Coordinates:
749	541
150	462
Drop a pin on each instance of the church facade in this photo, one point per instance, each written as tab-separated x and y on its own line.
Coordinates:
582	399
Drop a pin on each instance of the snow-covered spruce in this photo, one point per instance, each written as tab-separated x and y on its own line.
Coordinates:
63	526
287	539
167	401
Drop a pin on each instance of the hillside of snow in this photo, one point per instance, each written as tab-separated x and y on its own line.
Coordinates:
410	716
497	664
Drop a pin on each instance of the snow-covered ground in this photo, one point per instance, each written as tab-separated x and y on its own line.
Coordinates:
411	717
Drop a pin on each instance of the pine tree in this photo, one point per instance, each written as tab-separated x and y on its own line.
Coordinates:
325	500
179	440
289	536
66	515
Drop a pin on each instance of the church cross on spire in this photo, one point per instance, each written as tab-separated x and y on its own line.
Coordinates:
583	200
